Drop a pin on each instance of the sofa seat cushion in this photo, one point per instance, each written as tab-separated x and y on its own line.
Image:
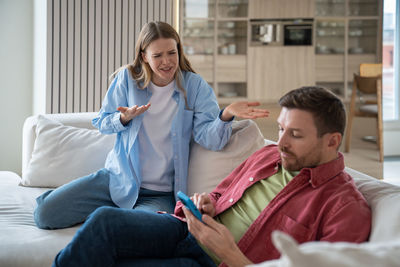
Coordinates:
22	243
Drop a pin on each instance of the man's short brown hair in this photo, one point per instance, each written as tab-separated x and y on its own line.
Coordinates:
327	109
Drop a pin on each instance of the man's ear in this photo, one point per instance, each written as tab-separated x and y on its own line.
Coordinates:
334	140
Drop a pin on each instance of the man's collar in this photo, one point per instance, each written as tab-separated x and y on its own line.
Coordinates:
324	172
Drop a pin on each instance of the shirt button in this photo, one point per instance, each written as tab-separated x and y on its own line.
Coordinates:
176	157
231	200
174	134
251	179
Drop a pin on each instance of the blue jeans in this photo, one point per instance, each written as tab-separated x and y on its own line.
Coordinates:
72	203
123	237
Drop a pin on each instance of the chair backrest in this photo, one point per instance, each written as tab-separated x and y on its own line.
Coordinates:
370	69
367	85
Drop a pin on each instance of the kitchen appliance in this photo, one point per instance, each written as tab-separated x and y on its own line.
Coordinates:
298	32
281	32
266	32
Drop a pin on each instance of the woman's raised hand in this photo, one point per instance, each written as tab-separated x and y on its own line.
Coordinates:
128	113
245	110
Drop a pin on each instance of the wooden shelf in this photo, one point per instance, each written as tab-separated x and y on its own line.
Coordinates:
264	73
339	68
226	72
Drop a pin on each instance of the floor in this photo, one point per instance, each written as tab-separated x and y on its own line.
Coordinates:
363	155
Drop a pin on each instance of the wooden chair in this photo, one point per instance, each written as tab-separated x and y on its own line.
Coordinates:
369	82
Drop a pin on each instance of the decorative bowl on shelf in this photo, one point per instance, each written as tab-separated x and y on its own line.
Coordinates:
321	32
323	23
356	50
322	49
230	24
228	94
354	33
338	50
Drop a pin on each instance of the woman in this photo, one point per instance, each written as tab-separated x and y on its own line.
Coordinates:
149	161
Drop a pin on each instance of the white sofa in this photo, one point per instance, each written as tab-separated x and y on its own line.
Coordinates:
60	147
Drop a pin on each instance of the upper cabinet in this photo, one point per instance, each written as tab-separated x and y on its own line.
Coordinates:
364	8
214	37
334	8
232	8
347	33
281	9
330	8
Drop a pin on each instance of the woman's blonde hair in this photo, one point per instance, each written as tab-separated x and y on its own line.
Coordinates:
140	70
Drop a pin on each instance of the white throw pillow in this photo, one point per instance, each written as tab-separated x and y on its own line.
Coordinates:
382	254
84	149
207	168
384	199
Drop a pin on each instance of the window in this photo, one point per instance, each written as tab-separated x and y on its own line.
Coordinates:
390	78
390	55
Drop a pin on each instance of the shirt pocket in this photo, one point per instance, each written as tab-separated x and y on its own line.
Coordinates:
187	124
295	229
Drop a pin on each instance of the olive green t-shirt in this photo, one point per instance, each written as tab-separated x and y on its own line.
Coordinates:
243	213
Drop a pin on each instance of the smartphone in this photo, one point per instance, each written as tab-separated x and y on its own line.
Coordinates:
189	204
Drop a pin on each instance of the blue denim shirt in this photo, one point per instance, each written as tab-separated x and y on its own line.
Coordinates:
200	119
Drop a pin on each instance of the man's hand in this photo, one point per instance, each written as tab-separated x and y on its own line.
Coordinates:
203	204
217	238
244	109
127	114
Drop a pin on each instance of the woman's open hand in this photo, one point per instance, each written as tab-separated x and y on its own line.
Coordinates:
245	110
127	114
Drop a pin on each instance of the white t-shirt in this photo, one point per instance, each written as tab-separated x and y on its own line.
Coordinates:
156	153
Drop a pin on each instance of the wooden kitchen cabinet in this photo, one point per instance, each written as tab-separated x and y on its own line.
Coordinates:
203	65
347	33
281	9
231	68
330	68
215	38
216	35
277	70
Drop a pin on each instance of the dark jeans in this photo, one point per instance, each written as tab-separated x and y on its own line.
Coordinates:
71	203
122	237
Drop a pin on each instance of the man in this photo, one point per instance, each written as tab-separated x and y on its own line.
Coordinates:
298	187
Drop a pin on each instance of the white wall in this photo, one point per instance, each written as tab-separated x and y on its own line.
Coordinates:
16	57
39	56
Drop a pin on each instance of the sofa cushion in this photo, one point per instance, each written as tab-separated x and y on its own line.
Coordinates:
384	199
207	168
84	149
332	254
